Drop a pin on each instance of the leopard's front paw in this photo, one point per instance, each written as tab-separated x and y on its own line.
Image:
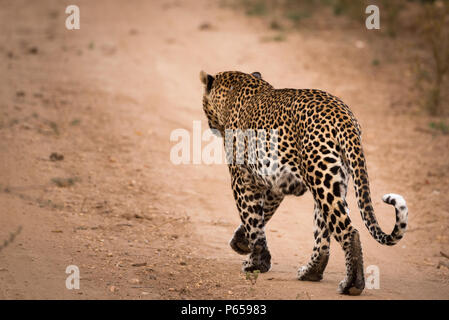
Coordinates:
308	274
314	270
239	243
258	261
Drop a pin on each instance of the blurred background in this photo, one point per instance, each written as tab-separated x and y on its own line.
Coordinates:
419	30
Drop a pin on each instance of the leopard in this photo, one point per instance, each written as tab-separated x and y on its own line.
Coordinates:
310	141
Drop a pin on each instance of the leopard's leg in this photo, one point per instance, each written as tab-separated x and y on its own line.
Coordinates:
354	281
253	225
250	199
239	242
329	190
346	234
314	269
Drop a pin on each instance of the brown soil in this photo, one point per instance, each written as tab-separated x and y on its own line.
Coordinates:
107	97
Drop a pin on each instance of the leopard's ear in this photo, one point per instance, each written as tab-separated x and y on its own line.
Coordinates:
207	80
256	74
203	77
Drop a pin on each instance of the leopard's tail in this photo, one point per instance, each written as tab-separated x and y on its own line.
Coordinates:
360	176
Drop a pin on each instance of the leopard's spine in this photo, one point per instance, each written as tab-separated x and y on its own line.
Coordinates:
359	174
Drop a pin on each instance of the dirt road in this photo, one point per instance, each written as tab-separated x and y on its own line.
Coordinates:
107	98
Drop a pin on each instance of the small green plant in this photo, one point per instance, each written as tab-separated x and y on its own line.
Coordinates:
297	16
275	25
391	10
354	9
252	276
10	239
256	8
436	37
297	11
75	122
440	126
277	38
64	182
54	126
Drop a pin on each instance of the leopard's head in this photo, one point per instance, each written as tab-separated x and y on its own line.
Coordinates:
223	94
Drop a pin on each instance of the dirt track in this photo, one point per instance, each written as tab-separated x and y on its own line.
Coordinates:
108	96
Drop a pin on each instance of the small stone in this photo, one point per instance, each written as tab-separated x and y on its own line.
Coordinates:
33	50
56	156
205	26
141	264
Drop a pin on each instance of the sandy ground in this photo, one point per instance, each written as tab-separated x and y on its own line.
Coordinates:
108	96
